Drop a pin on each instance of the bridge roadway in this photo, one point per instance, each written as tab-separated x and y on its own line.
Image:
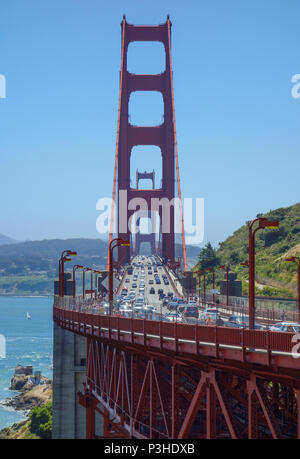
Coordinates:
115	343
142	273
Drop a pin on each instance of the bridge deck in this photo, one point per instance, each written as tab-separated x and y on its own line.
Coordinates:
254	346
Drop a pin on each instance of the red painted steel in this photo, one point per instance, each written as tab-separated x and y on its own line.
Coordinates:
117	146
163	136
168	380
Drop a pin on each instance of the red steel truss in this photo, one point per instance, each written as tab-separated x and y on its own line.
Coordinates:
168	380
163	136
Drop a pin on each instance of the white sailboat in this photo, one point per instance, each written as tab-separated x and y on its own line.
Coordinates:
28	316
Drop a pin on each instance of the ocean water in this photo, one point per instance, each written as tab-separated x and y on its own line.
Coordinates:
28	342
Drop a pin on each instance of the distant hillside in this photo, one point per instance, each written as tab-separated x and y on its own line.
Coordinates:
6	240
30	267
52	248
274	276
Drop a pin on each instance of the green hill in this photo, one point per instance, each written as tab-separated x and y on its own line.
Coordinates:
29	268
274	276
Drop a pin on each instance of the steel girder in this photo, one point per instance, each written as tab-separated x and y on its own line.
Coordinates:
144	394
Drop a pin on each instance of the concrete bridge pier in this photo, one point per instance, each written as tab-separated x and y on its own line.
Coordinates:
69	372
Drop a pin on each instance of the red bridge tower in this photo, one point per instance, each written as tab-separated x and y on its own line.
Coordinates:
163	136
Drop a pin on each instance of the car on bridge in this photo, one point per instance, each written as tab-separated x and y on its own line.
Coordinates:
286	327
181	307
208	311
242	322
139	301
190	311
172	305
212	319
148	311
173	317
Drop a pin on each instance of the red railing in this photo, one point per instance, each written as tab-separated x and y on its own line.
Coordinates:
252	340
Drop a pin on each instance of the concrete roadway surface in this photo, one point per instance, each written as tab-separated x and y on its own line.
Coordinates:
153	299
150	298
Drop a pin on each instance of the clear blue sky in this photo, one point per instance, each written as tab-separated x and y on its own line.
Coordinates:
237	124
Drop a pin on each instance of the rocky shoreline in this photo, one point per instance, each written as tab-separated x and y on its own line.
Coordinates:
34	390
27	400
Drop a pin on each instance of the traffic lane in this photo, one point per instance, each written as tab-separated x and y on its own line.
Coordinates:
153	298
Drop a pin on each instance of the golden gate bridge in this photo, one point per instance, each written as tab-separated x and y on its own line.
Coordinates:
169	380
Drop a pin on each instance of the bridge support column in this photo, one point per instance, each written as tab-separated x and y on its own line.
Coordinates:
91	417
173	400
252	411
211	411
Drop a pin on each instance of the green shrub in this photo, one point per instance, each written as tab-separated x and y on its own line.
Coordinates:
41	420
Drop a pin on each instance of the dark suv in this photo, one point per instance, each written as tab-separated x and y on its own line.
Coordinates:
190	311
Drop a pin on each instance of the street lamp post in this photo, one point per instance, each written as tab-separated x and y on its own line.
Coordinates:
262	223
199	281
63	258
213	280
83	280
74	281
92	283
116	242
96	282
199	272
204	285
297	261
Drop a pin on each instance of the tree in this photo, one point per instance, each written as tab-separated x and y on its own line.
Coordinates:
207	257
234	258
41	420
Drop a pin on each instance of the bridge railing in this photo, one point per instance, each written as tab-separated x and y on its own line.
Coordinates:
80	304
268	310
91	324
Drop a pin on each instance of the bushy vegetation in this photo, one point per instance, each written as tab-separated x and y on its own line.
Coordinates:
30	267
276	276
41	421
207	257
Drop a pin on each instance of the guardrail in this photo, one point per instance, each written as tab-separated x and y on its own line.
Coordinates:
268	310
78	303
95	324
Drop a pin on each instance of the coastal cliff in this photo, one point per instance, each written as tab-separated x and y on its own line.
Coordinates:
35	391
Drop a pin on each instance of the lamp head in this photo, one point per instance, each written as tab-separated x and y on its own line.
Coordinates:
265	223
